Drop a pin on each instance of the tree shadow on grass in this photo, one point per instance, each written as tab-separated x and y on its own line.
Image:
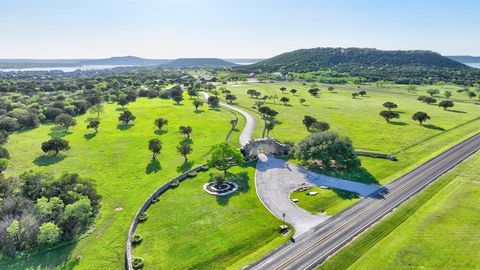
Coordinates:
124	126
91	119
89	136
160	132
429	126
345	195
120	109
359	174
46	160
60	257
185	166
397	123
456	111
187	141
198	111
153	167
58	132
241	179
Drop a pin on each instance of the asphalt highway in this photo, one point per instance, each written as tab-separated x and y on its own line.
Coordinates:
315	246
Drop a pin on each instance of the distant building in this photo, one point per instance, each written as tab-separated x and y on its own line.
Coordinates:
279	75
209	79
251	75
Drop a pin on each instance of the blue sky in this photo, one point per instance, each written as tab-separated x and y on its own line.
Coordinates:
232	28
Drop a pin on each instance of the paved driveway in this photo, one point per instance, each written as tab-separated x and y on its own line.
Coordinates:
247	131
276	179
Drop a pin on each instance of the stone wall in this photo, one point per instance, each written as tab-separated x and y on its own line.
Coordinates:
143	208
268	146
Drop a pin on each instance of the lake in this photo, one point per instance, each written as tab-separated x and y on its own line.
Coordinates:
64	69
475	65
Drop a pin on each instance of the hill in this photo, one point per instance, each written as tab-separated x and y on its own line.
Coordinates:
414	66
198	62
124	60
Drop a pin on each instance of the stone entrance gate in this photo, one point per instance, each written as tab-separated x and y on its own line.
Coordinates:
267	146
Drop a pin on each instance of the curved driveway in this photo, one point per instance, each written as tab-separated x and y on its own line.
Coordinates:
324	240
247	132
276	179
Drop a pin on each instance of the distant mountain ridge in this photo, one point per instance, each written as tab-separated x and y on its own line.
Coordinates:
125	60
306	60
413	66
198	62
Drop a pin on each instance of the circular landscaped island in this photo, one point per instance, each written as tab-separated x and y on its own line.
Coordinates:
220	189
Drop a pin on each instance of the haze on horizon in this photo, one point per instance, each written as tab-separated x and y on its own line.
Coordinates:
55	29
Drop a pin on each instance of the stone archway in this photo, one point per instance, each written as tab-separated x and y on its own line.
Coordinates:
266	146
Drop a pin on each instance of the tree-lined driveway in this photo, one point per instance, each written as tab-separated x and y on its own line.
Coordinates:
247	131
276	179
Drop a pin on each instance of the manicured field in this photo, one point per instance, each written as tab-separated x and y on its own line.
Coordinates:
191	229
330	201
437	229
357	118
118	161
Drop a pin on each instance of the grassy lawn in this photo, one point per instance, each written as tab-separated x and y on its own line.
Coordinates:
191	229
330	201
356	118
437	229
118	161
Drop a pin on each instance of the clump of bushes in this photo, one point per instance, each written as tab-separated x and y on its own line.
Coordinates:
192	174
204	168
143	216
138	263
38	209
174	184
137	239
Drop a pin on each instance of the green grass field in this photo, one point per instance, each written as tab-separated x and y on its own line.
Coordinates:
359	119
191	229
118	161
437	229
356	118
330	201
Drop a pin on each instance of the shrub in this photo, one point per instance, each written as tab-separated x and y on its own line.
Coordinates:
3	136
137	239
8	123
174	184
204	168
143	217
137	263
4	153
192	174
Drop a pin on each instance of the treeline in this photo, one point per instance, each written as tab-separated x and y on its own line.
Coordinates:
405	67
37	209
